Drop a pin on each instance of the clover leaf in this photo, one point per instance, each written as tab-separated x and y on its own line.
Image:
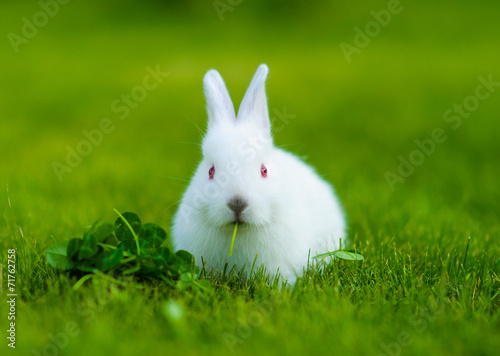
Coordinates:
88	248
124	248
57	256
122	230
152	233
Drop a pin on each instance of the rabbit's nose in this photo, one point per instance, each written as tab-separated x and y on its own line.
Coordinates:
237	204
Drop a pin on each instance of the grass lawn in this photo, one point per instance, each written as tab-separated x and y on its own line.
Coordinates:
405	127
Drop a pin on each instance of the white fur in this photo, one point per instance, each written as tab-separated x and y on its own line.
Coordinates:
290	213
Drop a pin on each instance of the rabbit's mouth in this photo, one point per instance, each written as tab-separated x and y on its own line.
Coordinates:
237	218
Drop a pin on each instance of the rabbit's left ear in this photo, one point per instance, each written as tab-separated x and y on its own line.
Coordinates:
254	104
220	108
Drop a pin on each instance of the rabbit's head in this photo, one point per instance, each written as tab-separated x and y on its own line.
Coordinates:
238	179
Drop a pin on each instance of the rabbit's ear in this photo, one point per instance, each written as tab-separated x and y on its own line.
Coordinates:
254	103
219	105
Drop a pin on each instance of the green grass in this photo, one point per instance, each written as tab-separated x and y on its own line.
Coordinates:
352	122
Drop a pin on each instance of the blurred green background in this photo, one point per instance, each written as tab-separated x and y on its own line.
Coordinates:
352	120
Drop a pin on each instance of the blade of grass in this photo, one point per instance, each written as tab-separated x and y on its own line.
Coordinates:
234	238
131	230
82	280
466	251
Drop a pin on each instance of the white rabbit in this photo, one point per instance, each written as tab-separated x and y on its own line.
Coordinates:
284	209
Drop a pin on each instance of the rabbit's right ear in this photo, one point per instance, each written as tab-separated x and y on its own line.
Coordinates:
219	105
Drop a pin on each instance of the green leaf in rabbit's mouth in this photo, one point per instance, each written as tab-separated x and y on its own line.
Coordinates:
234	238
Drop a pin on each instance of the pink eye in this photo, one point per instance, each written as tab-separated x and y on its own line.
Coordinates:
211	172
263	171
